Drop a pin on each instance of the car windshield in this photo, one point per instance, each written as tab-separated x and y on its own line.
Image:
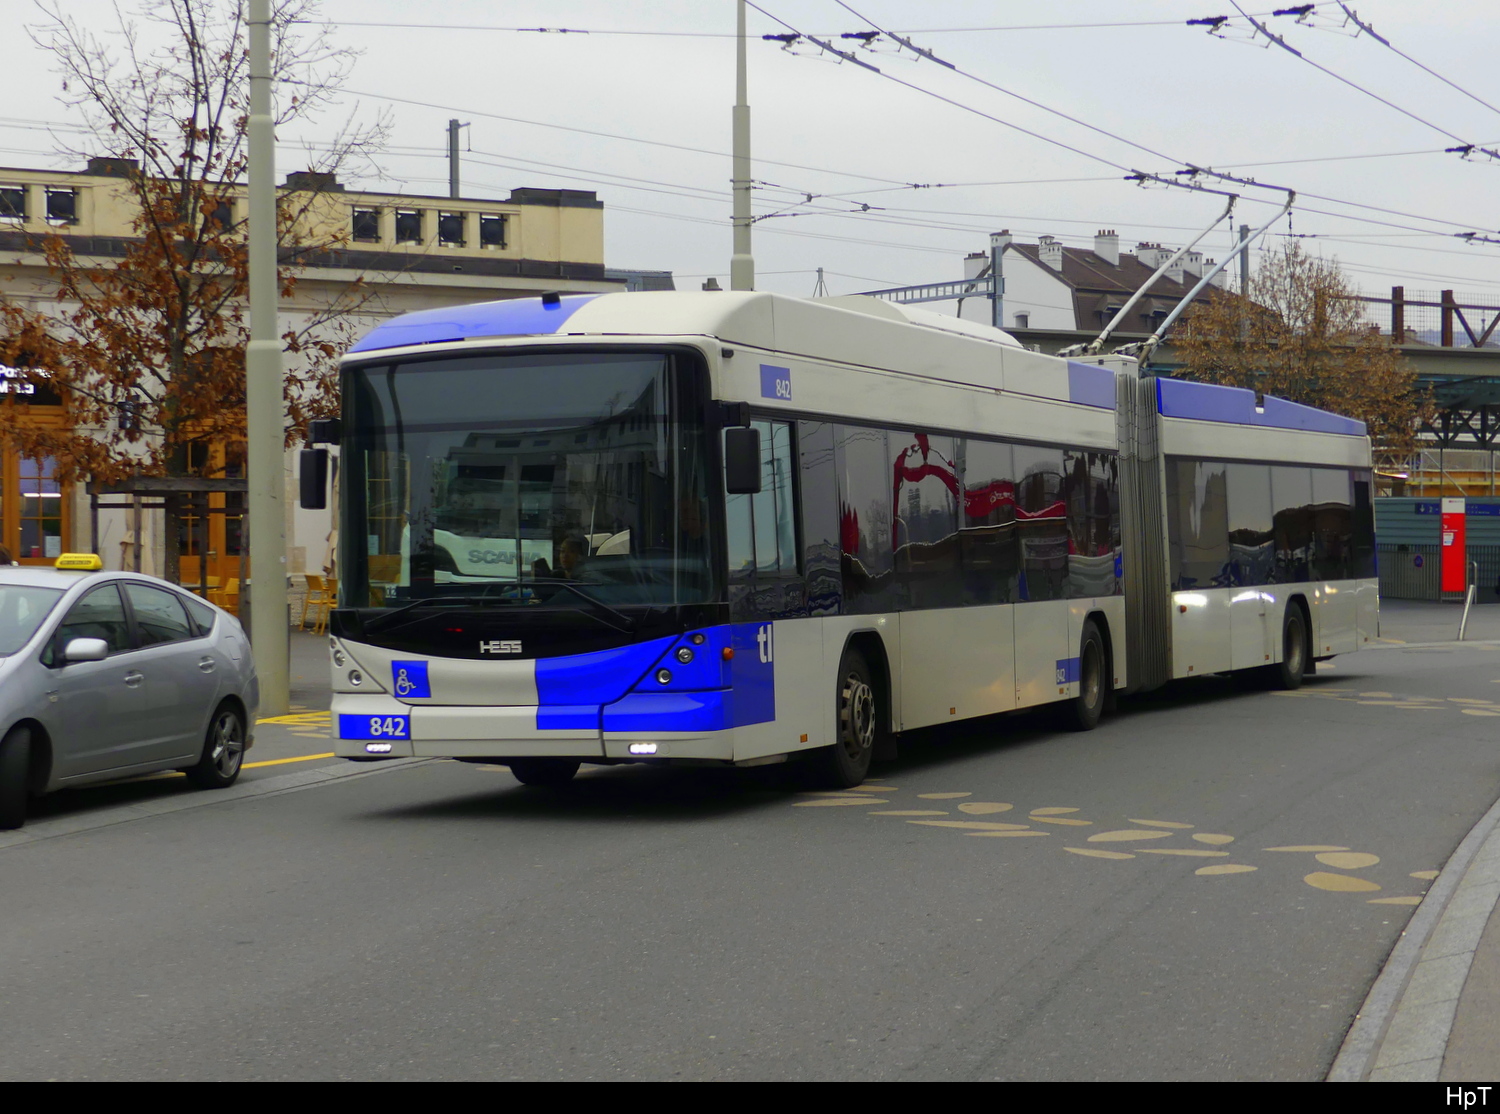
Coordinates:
22	609
519	476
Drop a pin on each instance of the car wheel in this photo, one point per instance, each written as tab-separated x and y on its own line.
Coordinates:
1083	711
544	771
15	760
223	751
859	726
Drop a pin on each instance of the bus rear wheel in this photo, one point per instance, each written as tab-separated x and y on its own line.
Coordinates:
1293	666
1083	711
543	771
859	725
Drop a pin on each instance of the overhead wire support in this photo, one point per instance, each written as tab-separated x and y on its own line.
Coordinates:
1385	42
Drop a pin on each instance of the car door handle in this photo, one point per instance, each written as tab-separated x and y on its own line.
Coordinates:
207	665
134	679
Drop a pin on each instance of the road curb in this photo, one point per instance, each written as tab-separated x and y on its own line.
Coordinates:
260	787
1401	1032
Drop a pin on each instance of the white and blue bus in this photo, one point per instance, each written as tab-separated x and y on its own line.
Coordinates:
739	527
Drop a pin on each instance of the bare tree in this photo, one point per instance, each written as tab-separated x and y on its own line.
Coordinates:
1301	335
147	354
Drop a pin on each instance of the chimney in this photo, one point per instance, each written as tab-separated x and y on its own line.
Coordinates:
316	181
975	262
1051	252
1107	246
1221	280
711	283
112	168
1000	240
1192	263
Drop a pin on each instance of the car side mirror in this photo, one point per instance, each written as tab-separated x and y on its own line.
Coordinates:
85	649
742	461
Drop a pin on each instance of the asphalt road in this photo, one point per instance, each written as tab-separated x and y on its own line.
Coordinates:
1145	901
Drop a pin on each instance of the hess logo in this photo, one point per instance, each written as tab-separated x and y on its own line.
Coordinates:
498	646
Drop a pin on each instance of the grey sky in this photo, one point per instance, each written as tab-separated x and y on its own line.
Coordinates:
1168	87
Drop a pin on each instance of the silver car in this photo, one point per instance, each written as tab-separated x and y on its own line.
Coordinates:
107	675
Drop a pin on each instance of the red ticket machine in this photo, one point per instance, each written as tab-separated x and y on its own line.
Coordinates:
1455	570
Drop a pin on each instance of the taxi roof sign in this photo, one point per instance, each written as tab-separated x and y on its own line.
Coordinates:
80	562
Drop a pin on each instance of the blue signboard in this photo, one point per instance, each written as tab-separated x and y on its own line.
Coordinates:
776	382
1484	510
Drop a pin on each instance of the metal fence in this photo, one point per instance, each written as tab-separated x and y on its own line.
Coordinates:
1412	572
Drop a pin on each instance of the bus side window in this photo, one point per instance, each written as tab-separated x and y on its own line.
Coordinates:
761	528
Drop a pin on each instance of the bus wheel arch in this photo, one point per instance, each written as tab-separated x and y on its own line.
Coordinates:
1101	622
862	716
1082	712
1296	646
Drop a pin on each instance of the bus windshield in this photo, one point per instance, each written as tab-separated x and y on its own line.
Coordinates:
554	478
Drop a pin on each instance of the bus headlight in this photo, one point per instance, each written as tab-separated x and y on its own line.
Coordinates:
684	655
664	676
356	678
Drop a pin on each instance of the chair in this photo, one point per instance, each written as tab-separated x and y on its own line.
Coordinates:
227	597
311	601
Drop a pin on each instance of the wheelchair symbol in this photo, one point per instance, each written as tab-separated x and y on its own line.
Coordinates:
404	683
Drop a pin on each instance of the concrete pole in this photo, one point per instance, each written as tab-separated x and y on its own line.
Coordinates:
265	410
453	126
997	283
1244	263
741	263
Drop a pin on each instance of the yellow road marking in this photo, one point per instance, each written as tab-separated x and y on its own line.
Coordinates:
1095	853
284	761
1161	824
1127	834
976	825
1226	868
1339	883
840	801
301	719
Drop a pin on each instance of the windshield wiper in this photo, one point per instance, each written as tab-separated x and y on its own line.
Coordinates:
601	610
379	622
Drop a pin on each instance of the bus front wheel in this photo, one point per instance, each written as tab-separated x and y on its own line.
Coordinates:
859	725
1083	711
1293	666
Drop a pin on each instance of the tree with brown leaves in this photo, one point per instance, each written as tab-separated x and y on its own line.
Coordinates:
1301	335
147	350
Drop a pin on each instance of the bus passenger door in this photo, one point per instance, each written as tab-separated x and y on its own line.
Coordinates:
1249	628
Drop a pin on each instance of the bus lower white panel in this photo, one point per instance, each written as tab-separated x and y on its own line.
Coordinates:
802	703
1367	611
1046	653
1252	642
956	663
1112	609
479	682
1337	622
506	724
719	745
1200	632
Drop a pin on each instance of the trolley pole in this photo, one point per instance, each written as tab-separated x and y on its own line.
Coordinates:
741	263
264	409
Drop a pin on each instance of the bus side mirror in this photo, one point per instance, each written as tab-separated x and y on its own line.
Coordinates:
742	461
314	479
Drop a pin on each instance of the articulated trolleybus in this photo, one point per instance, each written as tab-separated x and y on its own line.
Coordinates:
738	528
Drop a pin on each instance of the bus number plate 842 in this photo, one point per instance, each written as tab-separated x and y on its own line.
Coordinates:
374	727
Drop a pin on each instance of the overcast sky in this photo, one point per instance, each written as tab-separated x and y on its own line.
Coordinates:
852	137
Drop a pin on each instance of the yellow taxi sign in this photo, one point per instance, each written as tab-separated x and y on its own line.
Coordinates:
80	562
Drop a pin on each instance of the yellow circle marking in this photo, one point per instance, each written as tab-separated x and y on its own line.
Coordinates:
1127	834
1424	874
840	801
1191	852
942	796
1467	700
1160	823
1095	853
1298	694
984	808
873	789
1313	847
1003	835
1347	860
1339	883
1480	712
1059	820
1226	868
908	812
1383	695
1052	811
1213	838
977	825
1395	901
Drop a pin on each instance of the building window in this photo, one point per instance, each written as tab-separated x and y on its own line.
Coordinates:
451	229
491	230
408	226
223	215
1023	320
12	203
62	206
41	509
367	225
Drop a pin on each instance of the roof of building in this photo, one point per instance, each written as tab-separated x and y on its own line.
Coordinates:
1100	289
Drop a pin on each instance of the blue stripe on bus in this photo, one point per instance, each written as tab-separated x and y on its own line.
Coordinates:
1205	402
508	318
1091	385
1067	671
